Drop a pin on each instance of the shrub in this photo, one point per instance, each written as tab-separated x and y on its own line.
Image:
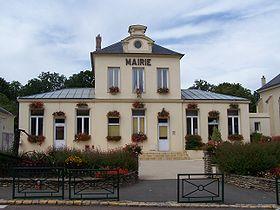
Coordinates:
248	159
193	142
256	137
235	138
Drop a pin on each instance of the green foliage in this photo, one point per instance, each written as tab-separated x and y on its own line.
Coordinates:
248	159
216	135
256	137
193	142
202	85
82	79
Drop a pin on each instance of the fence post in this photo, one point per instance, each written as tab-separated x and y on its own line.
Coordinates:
207	162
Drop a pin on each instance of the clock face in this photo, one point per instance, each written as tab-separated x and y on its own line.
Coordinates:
137	44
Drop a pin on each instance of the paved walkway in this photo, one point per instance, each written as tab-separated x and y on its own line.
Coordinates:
168	169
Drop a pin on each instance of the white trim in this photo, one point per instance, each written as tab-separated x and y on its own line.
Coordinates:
168	135
160	69
232	123
83	123
64	130
138	78
114	70
37	124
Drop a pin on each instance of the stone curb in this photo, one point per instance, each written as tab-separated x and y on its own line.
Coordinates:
170	204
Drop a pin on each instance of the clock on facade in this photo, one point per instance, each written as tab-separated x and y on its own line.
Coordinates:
137	44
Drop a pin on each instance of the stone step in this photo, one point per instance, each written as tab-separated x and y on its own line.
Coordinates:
164	156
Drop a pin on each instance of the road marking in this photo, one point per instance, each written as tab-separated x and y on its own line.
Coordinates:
3	206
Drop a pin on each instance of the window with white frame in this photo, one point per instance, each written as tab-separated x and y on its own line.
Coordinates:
36	122
138	81
113	77
162	78
82	121
233	122
113	126
192	122
138	121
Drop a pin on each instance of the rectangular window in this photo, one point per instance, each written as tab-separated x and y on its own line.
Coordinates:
138	121
192	122
36	122
233	122
138	79
113	126
82	121
162	77
113	77
257	126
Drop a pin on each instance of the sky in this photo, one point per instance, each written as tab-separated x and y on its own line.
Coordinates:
223	40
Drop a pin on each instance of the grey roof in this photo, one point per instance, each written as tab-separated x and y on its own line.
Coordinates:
117	48
2	110
68	93
275	81
194	94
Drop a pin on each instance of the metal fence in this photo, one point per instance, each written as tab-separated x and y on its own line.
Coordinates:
93	184
278	190
38	182
200	188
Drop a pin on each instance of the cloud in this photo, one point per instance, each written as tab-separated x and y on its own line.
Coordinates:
235	41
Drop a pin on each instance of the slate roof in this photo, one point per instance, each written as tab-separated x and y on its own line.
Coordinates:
194	94
68	93
117	48
2	110
274	82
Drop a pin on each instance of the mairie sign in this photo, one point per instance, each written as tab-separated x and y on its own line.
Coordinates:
138	61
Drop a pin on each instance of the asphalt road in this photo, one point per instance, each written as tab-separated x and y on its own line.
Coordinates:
35	207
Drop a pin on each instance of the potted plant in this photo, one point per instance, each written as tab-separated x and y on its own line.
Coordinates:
192	106
82	137
36	139
233	106
114	90
138	105
36	105
235	138
82	105
163	114
214	114
113	114
163	90
113	138
59	114
138	137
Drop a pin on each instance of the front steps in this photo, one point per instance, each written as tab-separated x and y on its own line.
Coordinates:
164	156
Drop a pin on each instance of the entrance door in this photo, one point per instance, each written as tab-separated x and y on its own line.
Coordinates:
163	141
59	133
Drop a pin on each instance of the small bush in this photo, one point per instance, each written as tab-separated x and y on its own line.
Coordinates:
216	135
248	159
193	142
256	137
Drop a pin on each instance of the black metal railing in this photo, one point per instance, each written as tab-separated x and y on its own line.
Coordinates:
93	184
200	188
38	182
277	190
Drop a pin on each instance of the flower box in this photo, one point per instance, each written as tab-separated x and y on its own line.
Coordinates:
163	114
163	90
192	106
138	105
138	92
138	137
113	138
82	105
82	137
214	114
36	139
233	106
113	114
36	105
235	137
114	90
59	114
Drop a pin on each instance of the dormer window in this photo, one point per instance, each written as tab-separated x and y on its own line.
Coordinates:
113	77
137	44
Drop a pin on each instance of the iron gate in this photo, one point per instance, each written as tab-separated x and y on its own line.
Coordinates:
200	188
38	182
278	190
93	184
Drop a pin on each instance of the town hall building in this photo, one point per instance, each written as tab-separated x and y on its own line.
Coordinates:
137	99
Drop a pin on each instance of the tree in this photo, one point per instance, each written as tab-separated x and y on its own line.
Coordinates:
202	85
5	87
82	79
5	103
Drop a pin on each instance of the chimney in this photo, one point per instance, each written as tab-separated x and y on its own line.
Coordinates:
263	81
98	40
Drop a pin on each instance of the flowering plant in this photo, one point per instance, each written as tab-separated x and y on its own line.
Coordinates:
59	114
36	139
233	106
134	149
113	114
235	137
113	138
162	90
192	106
211	146
163	114
114	90
138	137
82	137
73	161
214	114
138	105
138	92
36	105
82	105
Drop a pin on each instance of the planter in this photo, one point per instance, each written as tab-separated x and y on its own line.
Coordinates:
82	105
113	114
59	114
195	154
114	90
138	105
113	138
214	114
163	90
163	114
82	137
36	105
138	137
36	139
192	106
233	106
